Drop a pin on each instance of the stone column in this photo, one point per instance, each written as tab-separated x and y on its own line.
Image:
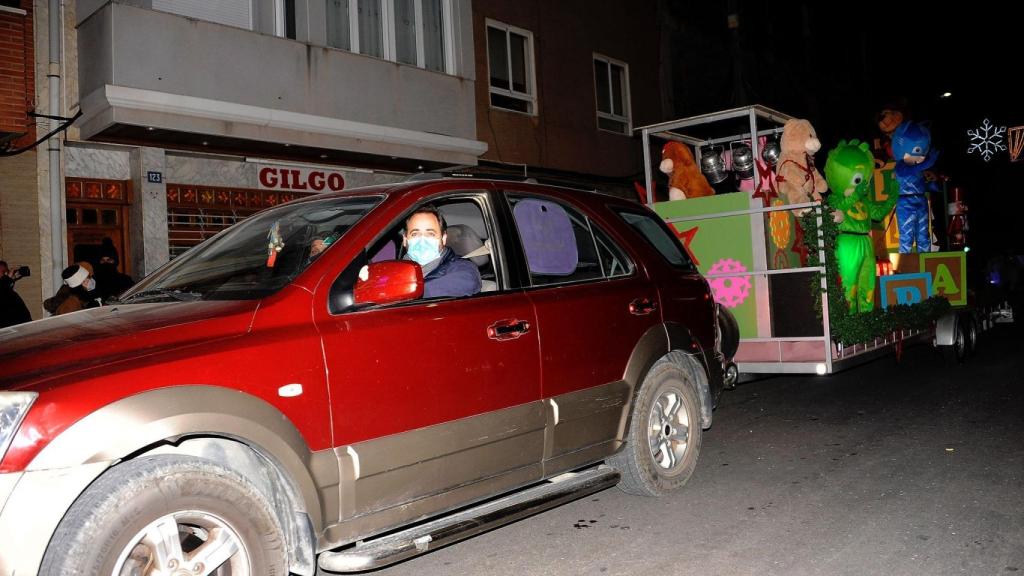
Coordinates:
148	212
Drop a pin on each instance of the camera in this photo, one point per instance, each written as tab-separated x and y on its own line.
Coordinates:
22	272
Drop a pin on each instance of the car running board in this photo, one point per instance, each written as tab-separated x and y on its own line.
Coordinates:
372	554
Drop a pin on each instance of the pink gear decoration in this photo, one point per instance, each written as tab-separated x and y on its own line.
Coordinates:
729	291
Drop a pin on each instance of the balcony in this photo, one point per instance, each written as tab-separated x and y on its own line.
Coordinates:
159	79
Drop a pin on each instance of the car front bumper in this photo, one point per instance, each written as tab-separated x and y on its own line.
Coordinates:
31	506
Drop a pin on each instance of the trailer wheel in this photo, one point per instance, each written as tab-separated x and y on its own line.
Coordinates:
958	349
970	335
730	333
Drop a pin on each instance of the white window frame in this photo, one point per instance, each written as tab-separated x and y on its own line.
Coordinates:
531	68
389	40
627	106
280	27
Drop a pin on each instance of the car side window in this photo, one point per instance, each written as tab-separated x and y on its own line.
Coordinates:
562	245
467	232
614	262
656	232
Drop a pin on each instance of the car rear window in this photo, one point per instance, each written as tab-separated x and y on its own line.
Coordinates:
562	245
657	233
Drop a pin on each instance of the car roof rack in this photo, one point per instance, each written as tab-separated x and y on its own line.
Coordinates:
426	176
456	174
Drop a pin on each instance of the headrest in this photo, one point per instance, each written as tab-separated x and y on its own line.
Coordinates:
465	242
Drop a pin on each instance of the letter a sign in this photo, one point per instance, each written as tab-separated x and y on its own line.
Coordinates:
948	271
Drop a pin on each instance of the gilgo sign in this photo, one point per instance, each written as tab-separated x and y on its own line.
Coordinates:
300	179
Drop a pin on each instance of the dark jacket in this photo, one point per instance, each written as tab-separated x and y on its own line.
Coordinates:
12	308
110	283
453	276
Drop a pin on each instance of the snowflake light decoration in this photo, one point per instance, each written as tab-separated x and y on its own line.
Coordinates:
986	140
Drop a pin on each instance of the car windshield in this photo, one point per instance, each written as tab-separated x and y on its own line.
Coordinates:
257	256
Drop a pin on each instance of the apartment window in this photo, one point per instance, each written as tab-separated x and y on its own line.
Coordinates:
611	85
230	12
284	18
510	62
339	24
370	28
414	32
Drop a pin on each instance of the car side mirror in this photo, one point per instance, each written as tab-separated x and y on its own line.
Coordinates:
388	282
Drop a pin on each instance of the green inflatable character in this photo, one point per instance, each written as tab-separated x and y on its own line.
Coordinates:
849	172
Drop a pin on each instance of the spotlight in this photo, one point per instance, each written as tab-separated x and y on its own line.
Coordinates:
713	166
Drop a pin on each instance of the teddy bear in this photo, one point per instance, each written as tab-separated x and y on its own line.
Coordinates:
685	178
797	177
888	120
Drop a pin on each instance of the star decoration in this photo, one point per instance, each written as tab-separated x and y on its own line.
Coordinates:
766	189
798	243
686	236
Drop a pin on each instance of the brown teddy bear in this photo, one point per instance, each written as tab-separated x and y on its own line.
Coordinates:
685	179
798	180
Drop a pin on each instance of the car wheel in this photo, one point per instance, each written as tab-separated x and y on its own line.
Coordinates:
168	515
664	435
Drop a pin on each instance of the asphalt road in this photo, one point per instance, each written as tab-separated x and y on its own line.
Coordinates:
891	468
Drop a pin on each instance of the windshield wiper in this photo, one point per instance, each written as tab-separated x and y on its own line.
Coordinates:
173	293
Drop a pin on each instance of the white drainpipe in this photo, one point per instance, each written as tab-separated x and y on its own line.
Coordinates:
53	146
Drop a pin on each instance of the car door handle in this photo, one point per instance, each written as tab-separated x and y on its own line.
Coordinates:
642	306
507	329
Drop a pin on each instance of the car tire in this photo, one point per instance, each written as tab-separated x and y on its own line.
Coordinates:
168	513
664	434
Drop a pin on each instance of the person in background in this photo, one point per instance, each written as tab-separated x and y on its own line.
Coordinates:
78	292
12	308
110	282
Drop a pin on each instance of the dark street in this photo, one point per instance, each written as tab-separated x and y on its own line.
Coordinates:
909	468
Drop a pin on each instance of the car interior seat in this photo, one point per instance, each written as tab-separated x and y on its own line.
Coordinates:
465	242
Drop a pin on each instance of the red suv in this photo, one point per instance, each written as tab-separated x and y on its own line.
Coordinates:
283	395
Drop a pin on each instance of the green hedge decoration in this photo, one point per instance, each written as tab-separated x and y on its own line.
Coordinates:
846	327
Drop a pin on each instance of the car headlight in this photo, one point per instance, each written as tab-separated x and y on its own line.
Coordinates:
13	407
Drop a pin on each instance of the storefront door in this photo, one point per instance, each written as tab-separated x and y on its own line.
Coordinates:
98	209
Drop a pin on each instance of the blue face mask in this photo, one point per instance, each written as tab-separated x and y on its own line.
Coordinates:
424	250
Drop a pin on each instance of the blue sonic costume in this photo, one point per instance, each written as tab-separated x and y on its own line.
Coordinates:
911	145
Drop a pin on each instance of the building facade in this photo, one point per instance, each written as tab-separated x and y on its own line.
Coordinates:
195	114
561	85
19	172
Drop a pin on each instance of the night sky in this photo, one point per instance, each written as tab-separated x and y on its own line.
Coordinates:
840	68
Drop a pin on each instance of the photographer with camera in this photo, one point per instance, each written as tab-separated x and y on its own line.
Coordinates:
12	308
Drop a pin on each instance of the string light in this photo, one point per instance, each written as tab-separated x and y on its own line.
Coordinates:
1015	137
